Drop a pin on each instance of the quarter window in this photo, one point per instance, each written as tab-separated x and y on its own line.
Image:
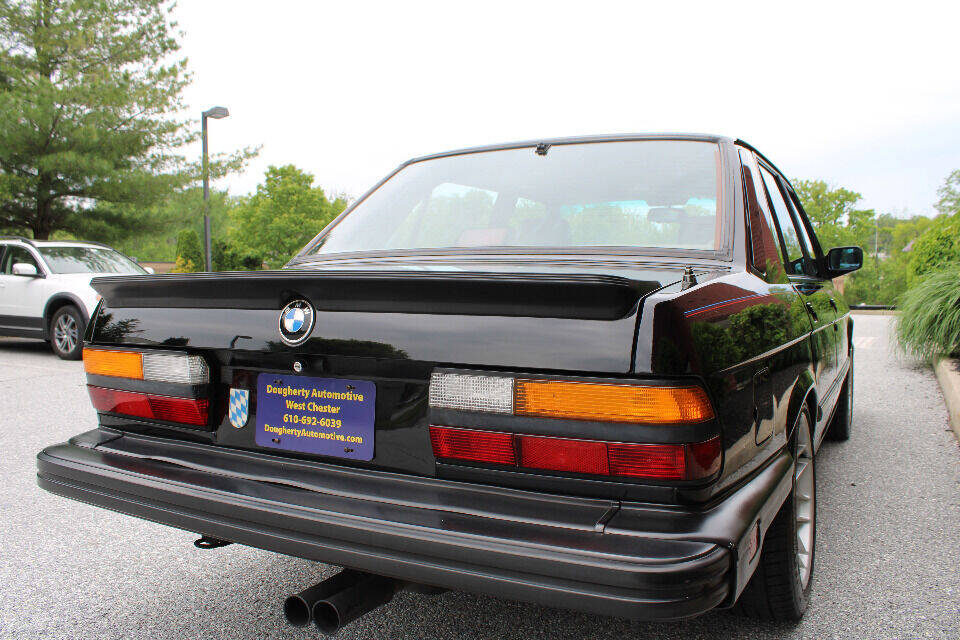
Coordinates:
763	242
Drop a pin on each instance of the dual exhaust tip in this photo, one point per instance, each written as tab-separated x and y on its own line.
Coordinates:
339	600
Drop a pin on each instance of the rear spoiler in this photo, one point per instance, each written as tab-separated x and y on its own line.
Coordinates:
587	297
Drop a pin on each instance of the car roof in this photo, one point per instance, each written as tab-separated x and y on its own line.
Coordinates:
67	243
614	137
53	243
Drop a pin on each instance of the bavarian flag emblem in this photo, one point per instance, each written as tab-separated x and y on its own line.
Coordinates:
239	406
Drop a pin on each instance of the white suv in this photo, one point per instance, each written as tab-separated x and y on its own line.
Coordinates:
45	289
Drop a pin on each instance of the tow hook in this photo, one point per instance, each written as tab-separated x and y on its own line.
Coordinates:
208	542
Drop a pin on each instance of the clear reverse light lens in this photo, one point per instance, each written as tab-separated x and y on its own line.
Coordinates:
466	392
175	368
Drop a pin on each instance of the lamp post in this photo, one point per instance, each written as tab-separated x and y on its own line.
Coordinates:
217	113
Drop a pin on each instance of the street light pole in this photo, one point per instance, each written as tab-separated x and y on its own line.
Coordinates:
216	113
876	243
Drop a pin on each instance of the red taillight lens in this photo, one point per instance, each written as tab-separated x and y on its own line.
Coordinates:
477	446
185	410
691	461
562	454
665	461
703	458
141	405
125	402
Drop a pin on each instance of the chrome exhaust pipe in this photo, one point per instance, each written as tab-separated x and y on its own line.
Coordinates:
339	600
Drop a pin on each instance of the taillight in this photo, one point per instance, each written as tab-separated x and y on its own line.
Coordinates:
703	458
683	461
181	374
479	446
666	461
144	405
611	402
116	364
559	454
471	392
145	365
570	399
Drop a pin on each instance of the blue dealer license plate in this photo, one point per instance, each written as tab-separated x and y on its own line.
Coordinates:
324	416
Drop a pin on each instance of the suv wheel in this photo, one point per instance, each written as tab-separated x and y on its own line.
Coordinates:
780	587
66	333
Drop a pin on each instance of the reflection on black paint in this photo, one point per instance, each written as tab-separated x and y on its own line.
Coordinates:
110	330
353	348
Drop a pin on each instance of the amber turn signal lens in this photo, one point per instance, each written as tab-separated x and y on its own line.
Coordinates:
119	364
611	402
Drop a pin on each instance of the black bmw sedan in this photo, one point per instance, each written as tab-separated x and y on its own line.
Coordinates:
587	372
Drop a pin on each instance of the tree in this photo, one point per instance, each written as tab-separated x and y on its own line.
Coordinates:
189	252
160	223
833	214
230	258
949	193
936	248
940	243
824	204
89	91
283	215
888	241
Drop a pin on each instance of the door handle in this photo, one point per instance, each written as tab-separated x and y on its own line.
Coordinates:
813	313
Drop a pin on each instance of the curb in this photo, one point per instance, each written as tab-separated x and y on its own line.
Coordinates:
948	374
874	312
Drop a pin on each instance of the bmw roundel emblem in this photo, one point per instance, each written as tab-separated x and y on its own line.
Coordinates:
296	322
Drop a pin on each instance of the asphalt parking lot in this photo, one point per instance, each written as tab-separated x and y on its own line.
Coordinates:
888	548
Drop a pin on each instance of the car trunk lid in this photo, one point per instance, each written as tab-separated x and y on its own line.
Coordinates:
389	329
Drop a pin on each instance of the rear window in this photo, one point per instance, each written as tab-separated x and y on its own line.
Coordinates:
654	193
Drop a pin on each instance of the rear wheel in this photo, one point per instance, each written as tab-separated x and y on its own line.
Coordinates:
66	333
780	587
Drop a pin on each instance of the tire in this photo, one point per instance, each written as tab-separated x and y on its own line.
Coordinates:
780	587
66	333
839	428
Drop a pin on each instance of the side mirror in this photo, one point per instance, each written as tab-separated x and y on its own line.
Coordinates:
149	270
25	269
841	260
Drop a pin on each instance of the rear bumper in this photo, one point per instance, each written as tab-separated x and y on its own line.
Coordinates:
635	561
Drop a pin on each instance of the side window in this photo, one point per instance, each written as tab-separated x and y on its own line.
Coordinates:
801	216
764	247
794	251
17	254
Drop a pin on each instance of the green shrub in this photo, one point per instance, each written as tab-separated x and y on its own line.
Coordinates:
189	249
183	266
929	322
938	246
231	258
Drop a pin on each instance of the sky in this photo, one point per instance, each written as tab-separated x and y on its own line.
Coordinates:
862	95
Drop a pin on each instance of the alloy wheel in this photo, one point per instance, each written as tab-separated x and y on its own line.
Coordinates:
66	333
803	482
